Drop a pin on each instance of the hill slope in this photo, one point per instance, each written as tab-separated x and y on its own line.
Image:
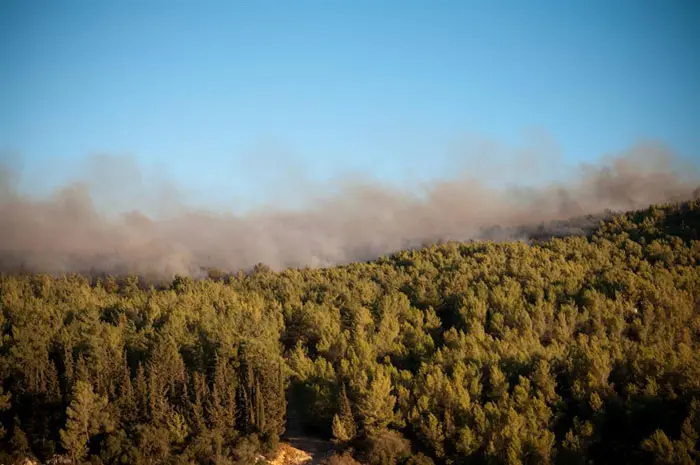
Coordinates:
575	349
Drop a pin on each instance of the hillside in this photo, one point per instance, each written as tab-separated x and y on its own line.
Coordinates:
570	350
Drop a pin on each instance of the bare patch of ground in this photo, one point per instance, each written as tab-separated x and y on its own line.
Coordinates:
301	451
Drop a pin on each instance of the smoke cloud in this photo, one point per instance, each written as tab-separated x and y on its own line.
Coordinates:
154	233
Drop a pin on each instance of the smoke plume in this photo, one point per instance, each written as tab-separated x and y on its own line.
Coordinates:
68	231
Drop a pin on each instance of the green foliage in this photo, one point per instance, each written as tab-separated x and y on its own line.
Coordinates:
344	426
340	459
376	404
87	415
573	350
5	404
387	448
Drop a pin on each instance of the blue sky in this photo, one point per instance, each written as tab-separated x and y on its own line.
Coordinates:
231	94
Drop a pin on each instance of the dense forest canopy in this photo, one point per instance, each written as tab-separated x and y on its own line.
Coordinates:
570	350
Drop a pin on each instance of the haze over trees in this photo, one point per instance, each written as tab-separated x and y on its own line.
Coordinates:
111	222
565	351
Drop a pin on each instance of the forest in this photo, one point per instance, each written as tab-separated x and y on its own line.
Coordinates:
566	350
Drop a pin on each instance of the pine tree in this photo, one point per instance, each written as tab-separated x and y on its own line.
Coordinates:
259	406
141	390
68	370
19	444
221	408
87	415
53	384
197	406
344	428
376	407
5	404
82	373
340	436
126	402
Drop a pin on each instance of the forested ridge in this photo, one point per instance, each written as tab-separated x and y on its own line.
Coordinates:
573	350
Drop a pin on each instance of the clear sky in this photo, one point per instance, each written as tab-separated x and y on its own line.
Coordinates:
217	90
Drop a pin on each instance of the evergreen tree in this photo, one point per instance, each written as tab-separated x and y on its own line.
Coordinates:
344	428
5	404
86	415
376	406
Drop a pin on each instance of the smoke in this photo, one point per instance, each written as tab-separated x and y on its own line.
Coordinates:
117	220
